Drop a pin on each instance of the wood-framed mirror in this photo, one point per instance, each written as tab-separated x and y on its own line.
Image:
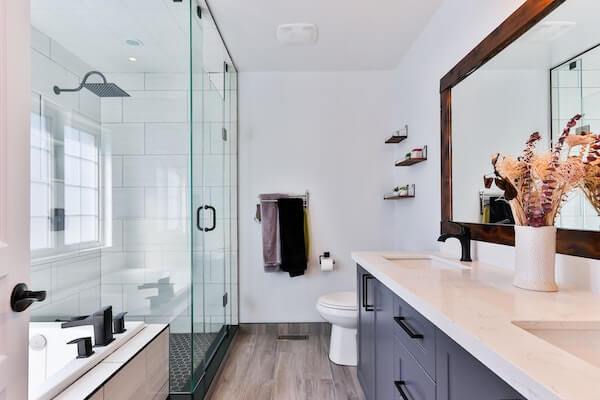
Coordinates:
542	60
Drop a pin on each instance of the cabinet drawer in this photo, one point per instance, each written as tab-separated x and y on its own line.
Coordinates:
412	380
416	333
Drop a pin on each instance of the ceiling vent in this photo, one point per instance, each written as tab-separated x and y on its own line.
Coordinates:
298	34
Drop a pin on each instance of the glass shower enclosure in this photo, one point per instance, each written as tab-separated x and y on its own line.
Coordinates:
134	192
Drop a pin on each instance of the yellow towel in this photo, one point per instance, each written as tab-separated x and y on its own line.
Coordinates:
485	218
306	235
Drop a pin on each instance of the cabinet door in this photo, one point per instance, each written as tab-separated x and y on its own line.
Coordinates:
366	332
384	344
462	376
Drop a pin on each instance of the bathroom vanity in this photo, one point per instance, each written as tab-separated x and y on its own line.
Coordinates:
433	328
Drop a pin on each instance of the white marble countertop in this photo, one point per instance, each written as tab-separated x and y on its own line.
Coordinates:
476	307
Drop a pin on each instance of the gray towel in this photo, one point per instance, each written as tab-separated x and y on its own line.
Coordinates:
270	231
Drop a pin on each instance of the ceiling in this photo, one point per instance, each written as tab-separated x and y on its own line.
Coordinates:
353	35
536	50
96	31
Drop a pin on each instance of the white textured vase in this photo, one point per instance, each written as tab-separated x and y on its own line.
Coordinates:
535	251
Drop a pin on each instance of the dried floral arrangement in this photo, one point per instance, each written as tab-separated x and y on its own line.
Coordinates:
589	154
537	184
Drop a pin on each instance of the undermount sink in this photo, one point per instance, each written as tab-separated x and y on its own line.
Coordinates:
581	339
426	261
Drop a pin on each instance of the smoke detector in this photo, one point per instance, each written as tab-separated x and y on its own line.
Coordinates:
297	34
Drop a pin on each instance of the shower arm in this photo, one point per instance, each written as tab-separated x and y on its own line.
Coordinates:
58	90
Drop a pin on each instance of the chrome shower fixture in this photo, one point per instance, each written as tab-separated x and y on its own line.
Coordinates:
104	89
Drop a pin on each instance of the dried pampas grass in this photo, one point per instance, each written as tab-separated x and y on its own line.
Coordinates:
537	184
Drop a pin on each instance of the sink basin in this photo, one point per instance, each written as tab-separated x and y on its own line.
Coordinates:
426	261
581	339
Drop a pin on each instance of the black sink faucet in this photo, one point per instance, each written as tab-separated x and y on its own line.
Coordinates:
102	322
465	241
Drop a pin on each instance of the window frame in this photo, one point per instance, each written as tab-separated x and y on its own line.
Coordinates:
74	119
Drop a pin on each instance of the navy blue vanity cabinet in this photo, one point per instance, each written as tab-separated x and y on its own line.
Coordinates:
366	332
410	379
462	376
416	333
384	344
402	355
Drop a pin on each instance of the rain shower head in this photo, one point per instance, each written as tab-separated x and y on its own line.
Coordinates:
104	89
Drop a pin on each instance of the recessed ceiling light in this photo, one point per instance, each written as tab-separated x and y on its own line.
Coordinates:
297	34
134	42
132	59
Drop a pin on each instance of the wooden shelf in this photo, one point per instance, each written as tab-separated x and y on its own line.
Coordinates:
398	197
410	161
396	139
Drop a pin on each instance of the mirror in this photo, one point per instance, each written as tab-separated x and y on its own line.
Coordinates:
537	83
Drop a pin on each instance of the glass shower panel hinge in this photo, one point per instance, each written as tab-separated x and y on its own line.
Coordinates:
224	134
225	300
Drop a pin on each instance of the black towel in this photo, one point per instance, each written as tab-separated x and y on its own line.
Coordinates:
500	212
291	236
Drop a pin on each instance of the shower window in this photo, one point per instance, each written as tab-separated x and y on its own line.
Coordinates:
65	175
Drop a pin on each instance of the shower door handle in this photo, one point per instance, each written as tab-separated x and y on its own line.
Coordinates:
214	218
198	213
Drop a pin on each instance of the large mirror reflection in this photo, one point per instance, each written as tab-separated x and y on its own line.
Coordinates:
537	84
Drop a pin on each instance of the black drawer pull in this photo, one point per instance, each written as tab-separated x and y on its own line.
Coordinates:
399	385
365	296
409	331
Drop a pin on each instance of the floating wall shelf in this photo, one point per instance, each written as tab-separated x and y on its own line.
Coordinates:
395	139
398	136
414	160
409	161
410	193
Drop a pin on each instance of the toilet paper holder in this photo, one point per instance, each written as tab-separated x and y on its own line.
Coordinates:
325	255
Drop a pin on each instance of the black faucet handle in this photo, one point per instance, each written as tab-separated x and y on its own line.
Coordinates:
119	323
84	346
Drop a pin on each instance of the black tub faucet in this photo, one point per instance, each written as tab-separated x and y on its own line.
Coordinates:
101	320
465	241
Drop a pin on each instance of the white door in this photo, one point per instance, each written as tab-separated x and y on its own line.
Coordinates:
14	192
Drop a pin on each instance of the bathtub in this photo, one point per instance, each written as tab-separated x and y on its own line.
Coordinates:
53	365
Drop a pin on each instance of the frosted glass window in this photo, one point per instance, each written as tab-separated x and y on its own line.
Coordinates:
81	186
65	175
40	187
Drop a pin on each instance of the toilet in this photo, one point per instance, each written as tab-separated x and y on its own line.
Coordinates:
341	310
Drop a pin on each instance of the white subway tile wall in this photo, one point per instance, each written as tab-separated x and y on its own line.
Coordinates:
73	282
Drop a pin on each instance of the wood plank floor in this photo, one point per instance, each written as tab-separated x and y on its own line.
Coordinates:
261	367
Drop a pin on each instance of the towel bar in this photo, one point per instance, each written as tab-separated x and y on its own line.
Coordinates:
304	197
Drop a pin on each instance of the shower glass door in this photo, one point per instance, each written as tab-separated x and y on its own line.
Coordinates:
208	192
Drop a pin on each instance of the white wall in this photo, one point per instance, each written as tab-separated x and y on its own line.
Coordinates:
325	132
454	30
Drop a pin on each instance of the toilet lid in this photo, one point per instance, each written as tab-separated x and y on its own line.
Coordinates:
339	300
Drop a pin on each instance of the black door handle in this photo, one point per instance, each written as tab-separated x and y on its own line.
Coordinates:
399	385
214	219
198	212
405	328
365	299
21	297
